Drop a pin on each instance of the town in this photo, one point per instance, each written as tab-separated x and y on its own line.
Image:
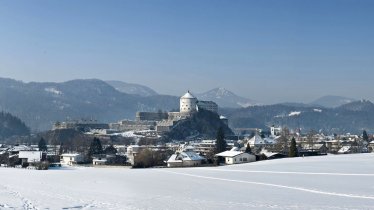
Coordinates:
146	142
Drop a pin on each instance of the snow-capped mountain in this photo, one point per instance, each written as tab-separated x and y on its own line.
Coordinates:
332	101
130	88
226	98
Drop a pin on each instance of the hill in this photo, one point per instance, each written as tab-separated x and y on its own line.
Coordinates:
352	117
332	101
225	98
41	104
203	124
12	126
130	88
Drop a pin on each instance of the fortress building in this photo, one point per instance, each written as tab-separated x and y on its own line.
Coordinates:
188	103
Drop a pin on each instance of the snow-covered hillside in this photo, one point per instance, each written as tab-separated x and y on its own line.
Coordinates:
329	182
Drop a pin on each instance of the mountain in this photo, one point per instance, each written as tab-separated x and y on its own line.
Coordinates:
358	106
130	88
352	117
203	124
39	105
225	98
332	101
12	126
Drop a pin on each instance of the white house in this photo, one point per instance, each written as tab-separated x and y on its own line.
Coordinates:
99	161
132	152
185	159
30	156
71	159
236	157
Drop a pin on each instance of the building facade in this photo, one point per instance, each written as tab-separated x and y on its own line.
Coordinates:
188	103
207	105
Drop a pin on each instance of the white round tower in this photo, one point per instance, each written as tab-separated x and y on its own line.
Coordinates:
188	103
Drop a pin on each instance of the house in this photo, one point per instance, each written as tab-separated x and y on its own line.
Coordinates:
99	161
132	152
315	149
31	156
16	149
345	150
71	159
256	141
272	155
185	159
371	146
236	157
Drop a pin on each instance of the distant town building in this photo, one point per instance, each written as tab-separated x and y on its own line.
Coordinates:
185	158
80	125
236	157
31	156
256	141
275	131
71	159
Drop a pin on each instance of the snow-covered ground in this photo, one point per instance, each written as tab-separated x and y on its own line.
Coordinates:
329	182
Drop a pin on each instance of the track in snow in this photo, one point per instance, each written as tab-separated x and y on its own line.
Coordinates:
274	185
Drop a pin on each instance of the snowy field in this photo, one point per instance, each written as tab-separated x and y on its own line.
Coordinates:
329	182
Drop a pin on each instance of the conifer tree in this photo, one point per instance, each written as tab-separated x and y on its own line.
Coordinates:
110	150
248	149
42	145
220	143
95	147
365	136
293	148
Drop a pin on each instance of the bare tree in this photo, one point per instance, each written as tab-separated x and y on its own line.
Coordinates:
310	138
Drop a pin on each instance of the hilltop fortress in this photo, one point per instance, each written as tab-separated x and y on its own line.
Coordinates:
164	121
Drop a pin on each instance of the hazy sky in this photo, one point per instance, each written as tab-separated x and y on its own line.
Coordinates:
270	51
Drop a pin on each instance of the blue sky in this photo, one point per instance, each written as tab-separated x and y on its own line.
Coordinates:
270	51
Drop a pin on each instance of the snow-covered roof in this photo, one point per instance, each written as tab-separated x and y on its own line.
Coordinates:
188	95
256	140
267	153
185	156
234	149
270	140
344	149
71	155
191	156
20	148
314	146
173	159
188	148
229	153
